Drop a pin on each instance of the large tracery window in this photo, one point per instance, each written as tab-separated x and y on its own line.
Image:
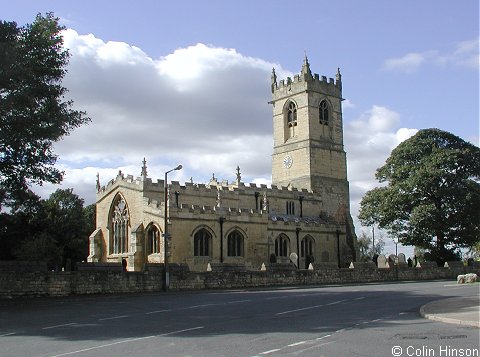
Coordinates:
282	246
201	243
153	240
120	223
324	114
235	244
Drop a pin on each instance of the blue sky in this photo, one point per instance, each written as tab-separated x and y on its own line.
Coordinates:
188	81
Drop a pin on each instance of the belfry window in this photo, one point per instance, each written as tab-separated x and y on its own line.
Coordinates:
290	119
281	246
292	114
120	219
235	244
324	114
201	243
153	240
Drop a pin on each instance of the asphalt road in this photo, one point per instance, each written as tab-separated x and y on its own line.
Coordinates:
357	320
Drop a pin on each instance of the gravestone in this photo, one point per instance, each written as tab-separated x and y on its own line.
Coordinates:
382	262
401	258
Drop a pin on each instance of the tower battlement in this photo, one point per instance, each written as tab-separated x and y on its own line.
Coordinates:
306	81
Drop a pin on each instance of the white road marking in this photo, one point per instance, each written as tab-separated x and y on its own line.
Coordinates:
8	334
321	338
335	302
196	306
62	325
268	352
359	298
157	311
301	309
238	301
297	343
128	340
113	318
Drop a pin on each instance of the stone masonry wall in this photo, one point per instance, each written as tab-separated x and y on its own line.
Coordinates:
21	283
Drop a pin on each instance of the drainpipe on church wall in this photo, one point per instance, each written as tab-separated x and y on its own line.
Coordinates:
338	247
221	220
297	231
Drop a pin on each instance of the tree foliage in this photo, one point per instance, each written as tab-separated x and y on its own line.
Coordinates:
432	193
33	112
366	249
55	230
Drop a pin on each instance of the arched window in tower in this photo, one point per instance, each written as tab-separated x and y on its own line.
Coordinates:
202	243
282	245
291	119
292	114
235	244
153	240
324	114
119	226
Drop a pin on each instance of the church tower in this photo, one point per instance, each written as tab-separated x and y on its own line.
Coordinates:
308	148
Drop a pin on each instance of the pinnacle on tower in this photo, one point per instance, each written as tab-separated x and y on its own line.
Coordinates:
338	78
274	80
144	169
239	176
306	72
98	182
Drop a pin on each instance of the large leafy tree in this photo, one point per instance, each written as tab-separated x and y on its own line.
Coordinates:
33	111
432	194
58	230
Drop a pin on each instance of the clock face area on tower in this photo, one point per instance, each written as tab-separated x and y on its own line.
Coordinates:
287	161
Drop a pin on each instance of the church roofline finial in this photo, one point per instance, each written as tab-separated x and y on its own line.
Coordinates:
144	169
306	72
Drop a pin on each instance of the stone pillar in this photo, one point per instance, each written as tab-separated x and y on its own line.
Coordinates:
136	249
95	246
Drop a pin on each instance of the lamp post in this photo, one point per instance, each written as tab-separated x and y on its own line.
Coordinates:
395	241
166	235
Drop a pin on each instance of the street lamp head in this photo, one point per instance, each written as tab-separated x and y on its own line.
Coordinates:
179	167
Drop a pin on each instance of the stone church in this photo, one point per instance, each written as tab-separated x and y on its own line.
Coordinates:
302	219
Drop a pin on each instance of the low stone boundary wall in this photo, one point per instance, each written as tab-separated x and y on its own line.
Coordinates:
91	279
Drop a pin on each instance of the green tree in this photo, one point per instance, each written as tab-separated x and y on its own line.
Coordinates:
62	226
33	112
366	249
432	196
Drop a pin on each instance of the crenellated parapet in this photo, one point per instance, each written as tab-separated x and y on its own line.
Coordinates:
306	81
129	182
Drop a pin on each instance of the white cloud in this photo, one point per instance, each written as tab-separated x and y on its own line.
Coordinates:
408	63
465	54
202	106
369	141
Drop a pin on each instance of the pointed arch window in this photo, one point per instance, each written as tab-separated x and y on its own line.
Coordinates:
282	245
307	247
202	243
292	114
324	113
120	222
235	244
290	120
153	240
